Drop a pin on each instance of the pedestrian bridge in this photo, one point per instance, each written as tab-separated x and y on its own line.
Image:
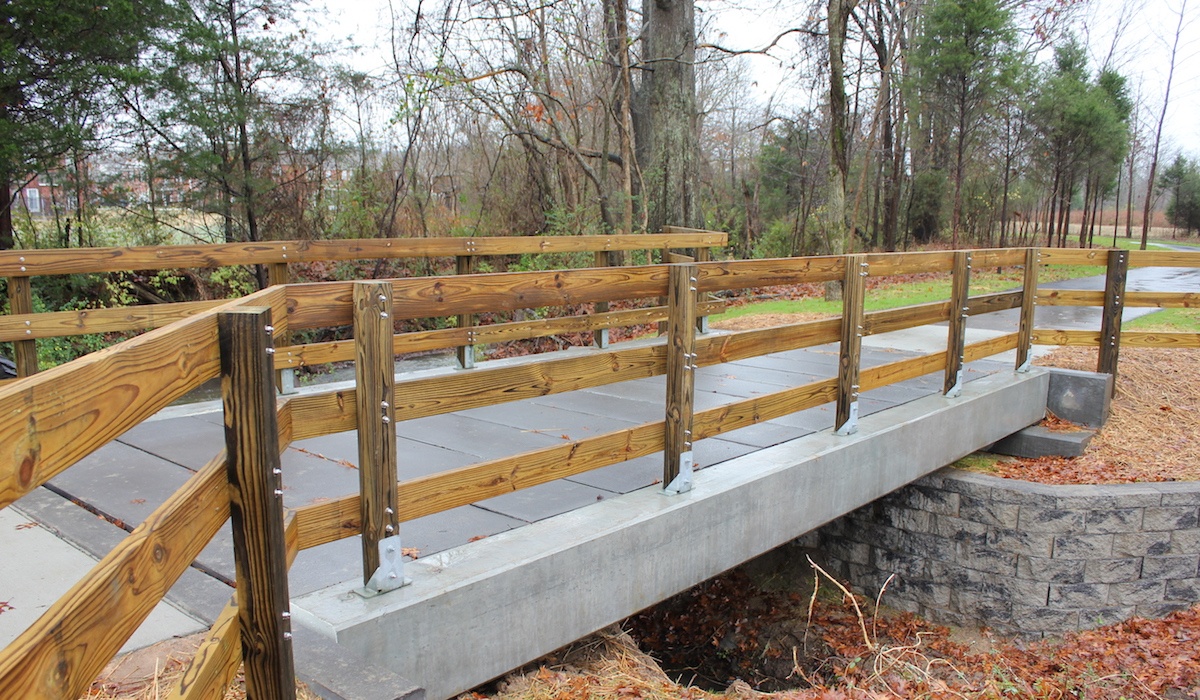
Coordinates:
543	497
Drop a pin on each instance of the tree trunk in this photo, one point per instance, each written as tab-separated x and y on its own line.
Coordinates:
665	117
839	153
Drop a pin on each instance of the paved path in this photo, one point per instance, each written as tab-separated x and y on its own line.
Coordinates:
90	506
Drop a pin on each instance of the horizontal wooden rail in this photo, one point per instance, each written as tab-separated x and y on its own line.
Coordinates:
27	263
50	421
62	652
424	341
1078	297
59	324
1137	339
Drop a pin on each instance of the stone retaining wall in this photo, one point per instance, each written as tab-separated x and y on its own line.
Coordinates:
1022	558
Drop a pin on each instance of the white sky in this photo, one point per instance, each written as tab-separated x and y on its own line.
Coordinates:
1142	54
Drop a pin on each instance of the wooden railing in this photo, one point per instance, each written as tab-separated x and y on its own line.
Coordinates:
53	419
23	328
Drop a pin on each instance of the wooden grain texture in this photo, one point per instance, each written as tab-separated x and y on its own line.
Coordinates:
1163	258
85	260
888	320
743	274
62	652
375	380
730	347
465	265
256	502
854	286
20	302
999	257
1043	336
1073	256
331	412
1161	300
1028	305
215	664
327	304
1114	307
886	264
991	303
60	324
51	420
1143	339
681	374
956	335
1070	297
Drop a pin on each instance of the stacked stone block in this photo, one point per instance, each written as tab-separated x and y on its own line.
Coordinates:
1021	558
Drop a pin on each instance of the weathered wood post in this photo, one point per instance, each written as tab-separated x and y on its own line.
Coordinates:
465	265
20	301
1028	304
256	502
703	255
681	376
956	341
1114	305
285	379
375	381
854	287
600	335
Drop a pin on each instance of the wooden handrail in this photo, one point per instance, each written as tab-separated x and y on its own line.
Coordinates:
51	420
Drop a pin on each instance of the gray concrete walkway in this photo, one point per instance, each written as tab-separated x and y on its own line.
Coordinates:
84	512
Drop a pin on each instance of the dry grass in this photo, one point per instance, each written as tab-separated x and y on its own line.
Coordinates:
1153	433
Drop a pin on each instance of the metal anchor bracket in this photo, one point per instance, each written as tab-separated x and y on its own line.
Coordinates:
390	574
850	427
682	483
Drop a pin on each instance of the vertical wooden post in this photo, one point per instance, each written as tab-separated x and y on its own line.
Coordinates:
1028	301
600	335
956	341
285	379
681	376
256	502
703	255
465	265
854	286
1114	305
20	301
375	381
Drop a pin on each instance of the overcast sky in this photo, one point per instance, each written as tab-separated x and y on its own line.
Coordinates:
1142	52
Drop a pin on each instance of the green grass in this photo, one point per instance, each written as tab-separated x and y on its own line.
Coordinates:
1166	321
891	296
978	462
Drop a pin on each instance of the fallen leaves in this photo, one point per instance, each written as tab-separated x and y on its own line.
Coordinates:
5	606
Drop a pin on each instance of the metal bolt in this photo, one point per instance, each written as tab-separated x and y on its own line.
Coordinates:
389	529
28	332
383	314
391	549
22	268
27	323
385	419
287	636
278	492
383	404
269	329
382	298
392	575
277	471
285	615
22	259
270	351
389	511
693	279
